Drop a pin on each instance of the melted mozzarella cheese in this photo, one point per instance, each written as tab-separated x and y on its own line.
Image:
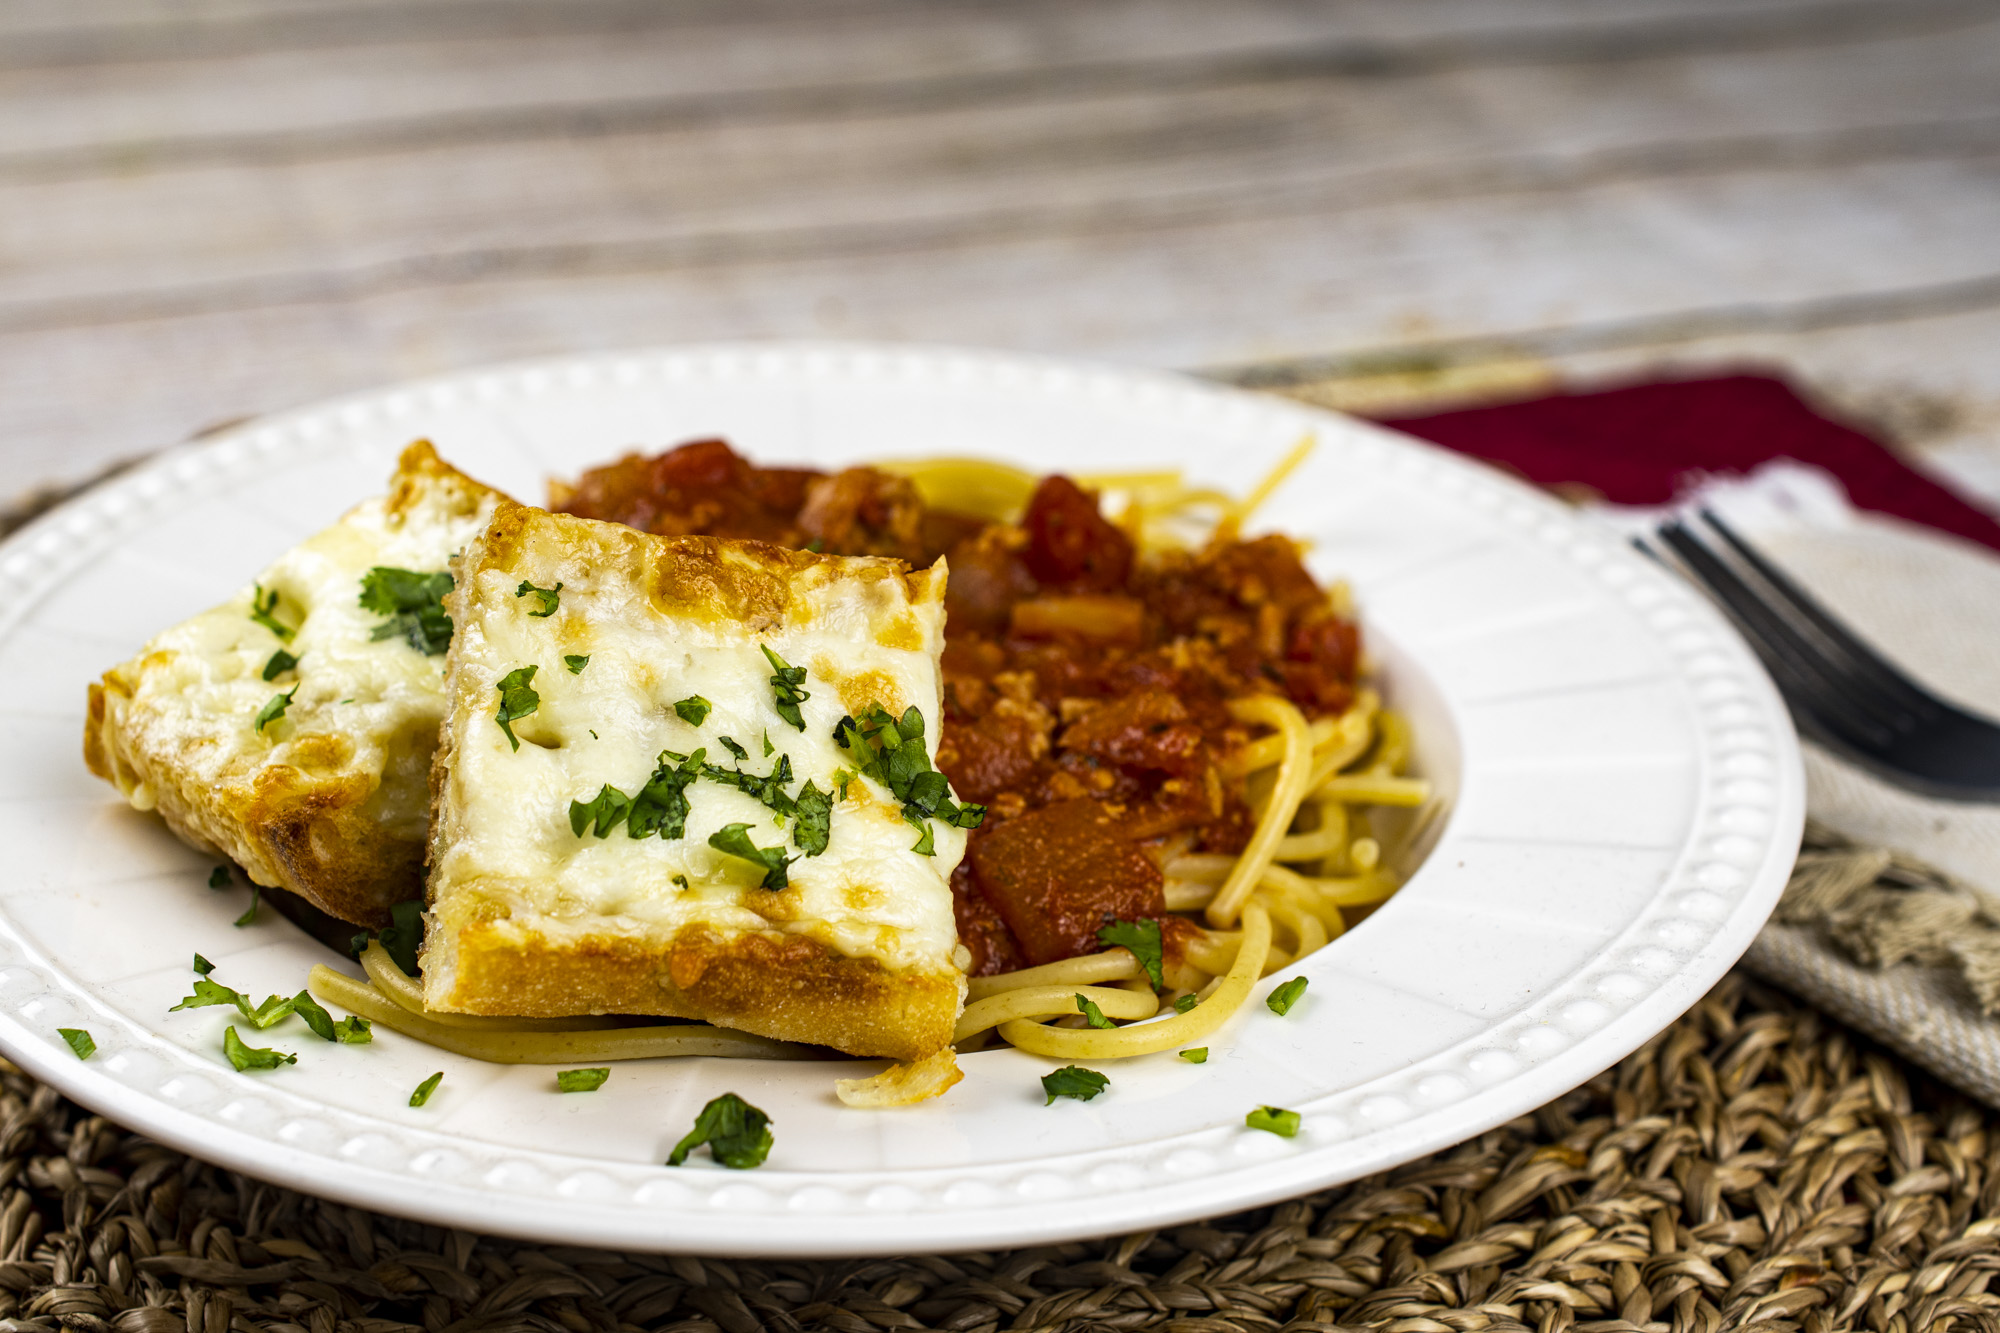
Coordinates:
869	895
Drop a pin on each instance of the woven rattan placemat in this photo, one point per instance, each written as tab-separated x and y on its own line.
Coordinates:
1754	1165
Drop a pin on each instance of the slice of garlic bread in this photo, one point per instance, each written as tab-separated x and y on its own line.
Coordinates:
291	728
642	806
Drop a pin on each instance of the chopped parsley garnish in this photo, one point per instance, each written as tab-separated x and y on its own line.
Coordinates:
1275	1120
275	709
785	691
219	878
576	662
813	816
281	662
602	813
1287	995
263	608
841	777
414	604
517	700
734	839
1091	1013
1073	1081
729	744
1142	937
209	992
681	881
404	934
891	750
250	912
767	743
738	1135
1185	1003
694	710
352	1030
79	1041
252	1057
581	1080
1195	1055
546	596
426	1088
662	805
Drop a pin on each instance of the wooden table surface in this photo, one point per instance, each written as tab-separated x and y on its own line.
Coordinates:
216	208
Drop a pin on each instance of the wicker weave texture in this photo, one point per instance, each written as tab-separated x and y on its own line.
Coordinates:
1753	1166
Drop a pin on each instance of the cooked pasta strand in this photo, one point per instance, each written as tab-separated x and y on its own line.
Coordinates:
1164	1033
1089	970
1050	1002
546	1048
1293	772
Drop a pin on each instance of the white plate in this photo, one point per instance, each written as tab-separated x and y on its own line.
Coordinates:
1626	803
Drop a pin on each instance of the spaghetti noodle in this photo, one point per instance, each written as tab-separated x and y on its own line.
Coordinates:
1290	798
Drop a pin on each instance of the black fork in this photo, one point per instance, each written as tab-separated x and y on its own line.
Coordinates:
1841	691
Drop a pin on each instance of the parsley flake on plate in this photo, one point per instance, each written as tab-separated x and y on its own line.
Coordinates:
202	967
250	912
694	710
79	1041
1073	1081
1274	1120
1195	1055
734	839
576	662
281	662
219	878
738	1135
1287	995
414	604
252	1057
263	610
426	1088
517	700
1142	937
581	1080
274	710
785	692
1091	1013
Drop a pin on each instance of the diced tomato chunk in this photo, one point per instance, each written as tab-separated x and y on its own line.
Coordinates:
1070	543
980	928
1059	873
1149	729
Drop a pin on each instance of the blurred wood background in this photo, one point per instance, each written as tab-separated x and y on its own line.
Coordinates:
216	208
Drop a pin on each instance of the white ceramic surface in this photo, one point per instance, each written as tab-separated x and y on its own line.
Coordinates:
1627	803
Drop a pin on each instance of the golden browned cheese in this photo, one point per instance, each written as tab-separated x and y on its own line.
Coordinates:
856	949
330	801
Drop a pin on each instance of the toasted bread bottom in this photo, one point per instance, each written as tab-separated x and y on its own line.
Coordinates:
773	984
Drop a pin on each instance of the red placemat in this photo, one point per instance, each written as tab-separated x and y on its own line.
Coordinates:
1634	444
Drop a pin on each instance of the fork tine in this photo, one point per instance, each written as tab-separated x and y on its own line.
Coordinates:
1862	660
1831	701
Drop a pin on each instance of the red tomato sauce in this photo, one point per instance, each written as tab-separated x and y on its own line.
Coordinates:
1086	686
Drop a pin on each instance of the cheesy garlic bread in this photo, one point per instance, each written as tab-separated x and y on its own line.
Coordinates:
291	728
692	776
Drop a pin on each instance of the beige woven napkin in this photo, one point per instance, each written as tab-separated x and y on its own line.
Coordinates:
1892	921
